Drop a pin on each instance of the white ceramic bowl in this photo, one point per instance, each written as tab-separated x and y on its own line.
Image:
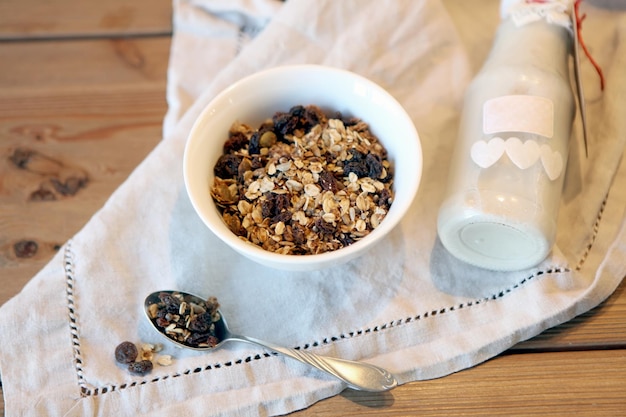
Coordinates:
255	99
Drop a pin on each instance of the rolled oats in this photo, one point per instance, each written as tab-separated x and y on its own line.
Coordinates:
303	182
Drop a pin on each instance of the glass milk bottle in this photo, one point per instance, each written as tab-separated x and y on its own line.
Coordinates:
509	161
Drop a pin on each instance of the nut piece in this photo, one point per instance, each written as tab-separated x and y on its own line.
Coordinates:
164	360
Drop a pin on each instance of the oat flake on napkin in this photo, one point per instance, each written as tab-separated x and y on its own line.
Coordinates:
407	306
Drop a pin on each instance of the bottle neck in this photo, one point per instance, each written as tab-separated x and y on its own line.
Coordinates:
538	44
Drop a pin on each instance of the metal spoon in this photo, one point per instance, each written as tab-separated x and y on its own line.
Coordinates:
358	375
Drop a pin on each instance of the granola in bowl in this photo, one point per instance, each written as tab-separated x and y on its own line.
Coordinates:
303	183
302	169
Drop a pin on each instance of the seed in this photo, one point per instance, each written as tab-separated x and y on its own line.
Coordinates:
267	139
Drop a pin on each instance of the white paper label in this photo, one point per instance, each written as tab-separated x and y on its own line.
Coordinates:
528	114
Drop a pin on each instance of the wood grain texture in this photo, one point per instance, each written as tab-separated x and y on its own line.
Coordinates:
82	99
32	19
586	383
69	138
603	327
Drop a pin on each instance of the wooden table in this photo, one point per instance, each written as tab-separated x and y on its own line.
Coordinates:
82	99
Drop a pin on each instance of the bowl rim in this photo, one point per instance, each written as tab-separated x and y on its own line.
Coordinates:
278	260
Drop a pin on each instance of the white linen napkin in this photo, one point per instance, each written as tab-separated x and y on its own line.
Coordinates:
407	306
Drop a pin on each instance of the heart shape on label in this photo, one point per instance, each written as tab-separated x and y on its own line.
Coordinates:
552	162
485	154
522	154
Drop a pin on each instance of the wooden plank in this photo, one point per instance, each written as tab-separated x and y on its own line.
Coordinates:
36	19
29	69
544	384
57	171
60	127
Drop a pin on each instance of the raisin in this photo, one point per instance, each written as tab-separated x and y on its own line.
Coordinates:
213	341
283	216
345	239
235	142
328	182
385	198
275	205
283	124
281	202
257	162
374	166
201	323
261	138
212	305
140	368
288	123
254	147
359	168
126	352
267	208
351	121
313	116
171	303
363	165
346	120
227	166
299	236
324	227
197	338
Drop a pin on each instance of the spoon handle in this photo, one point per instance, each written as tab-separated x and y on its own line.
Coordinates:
358	375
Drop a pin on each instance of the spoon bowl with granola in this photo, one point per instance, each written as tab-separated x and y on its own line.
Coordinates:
192	322
302	167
